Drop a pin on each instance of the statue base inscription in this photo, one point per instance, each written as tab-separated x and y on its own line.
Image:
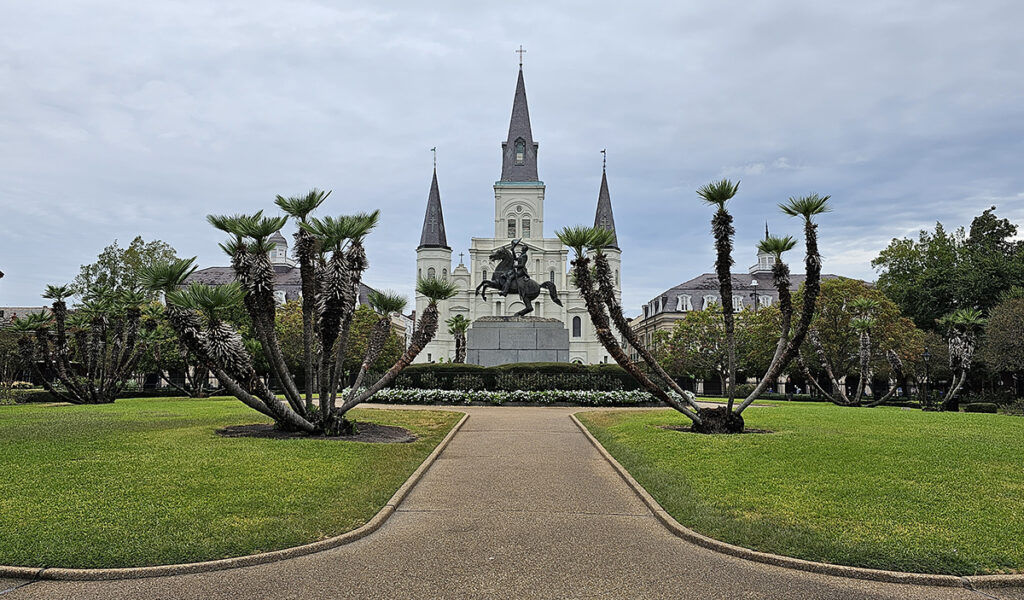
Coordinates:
495	341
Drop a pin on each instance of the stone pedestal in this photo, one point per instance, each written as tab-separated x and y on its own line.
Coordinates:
501	340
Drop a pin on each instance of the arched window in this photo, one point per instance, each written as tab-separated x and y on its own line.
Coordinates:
708	301
431	273
444	274
737	303
520	151
764	301
684	303
511	228
485	275
525	228
577	327
419	274
551	276
616	277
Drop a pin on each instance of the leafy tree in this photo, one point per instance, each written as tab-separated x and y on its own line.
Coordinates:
858	333
697	346
1003	346
942	271
10	364
364	320
118	269
196	314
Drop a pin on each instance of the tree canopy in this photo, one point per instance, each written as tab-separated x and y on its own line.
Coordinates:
941	271
120	268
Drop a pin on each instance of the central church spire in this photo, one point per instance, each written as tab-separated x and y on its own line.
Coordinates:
519	151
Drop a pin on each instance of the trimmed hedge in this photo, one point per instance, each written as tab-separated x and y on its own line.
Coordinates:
546	397
43	396
520	376
981	407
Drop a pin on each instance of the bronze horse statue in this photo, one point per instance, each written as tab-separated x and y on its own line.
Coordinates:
527	288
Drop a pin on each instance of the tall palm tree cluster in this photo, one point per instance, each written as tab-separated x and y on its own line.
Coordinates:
85	356
332	260
588	244
457	326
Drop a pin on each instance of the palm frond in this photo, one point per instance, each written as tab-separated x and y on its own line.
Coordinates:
776	245
964	319
862	323
300	206
32	322
213	301
436	289
57	292
600	238
387	301
262	228
717	193
863	305
457	324
806	206
236	225
167	276
576	237
357	226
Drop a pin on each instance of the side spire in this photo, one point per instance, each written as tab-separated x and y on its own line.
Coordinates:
604	217
519	151
433	235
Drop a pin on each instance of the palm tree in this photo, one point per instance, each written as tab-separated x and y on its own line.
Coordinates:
306	249
717	194
962	328
457	326
806	207
581	239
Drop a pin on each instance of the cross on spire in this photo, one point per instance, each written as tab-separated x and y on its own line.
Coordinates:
434	150
604	159
521	52
460	257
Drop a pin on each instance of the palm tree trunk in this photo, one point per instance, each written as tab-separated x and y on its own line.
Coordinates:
723	230
604	281
305	249
812	287
581	273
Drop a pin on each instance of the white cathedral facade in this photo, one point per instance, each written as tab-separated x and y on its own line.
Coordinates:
518	213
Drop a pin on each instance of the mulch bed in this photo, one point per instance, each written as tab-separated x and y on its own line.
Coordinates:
370	433
688	429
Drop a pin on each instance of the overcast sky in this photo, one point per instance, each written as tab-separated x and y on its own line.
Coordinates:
120	119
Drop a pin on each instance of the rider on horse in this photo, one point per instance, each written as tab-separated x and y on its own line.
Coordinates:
519	270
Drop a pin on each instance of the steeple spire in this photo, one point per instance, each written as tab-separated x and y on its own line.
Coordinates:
604	218
519	152
433	235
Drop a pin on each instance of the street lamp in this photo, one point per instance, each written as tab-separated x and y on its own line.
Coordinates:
927	356
753	284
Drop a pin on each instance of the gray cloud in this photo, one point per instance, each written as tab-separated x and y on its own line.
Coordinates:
141	118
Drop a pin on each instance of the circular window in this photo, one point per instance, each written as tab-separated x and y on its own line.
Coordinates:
519	209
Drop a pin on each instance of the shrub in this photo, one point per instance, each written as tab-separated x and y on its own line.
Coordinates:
745	389
981	407
520	376
546	397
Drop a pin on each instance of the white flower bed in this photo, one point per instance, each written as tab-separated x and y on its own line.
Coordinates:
580	397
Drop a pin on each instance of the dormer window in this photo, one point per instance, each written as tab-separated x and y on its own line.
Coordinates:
520	151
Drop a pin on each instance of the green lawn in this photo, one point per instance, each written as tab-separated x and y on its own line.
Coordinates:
883	488
147	482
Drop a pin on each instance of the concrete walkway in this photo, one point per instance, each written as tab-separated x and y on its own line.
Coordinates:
519	505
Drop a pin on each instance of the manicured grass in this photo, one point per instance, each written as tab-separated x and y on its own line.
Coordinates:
882	488
147	482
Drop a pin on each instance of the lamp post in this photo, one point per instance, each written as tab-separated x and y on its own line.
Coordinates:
753	284
927	356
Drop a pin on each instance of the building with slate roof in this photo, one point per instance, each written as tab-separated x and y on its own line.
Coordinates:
518	213
755	289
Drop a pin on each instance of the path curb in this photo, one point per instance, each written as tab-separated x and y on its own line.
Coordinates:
969	582
56	573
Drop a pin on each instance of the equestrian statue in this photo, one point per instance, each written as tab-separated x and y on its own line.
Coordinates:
510	277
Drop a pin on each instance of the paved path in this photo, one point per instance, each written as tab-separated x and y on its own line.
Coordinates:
519	505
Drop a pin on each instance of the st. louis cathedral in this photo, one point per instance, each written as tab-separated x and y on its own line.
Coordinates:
518	213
